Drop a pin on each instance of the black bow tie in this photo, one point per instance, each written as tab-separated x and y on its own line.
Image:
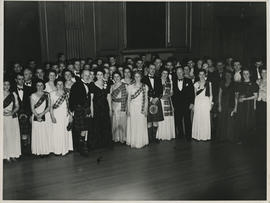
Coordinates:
20	89
180	79
151	76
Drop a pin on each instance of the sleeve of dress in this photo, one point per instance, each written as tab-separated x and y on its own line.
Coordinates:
255	88
92	88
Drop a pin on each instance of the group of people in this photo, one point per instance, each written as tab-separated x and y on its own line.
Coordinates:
85	104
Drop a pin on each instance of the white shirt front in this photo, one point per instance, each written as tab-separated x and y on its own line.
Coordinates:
170	76
85	86
237	77
20	92
28	83
152	81
258	73
180	84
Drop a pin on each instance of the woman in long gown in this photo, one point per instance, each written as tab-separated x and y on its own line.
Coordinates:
246	94
101	136
118	100
12	141
226	122
201	126
41	121
61	137
137	134
50	86
166	129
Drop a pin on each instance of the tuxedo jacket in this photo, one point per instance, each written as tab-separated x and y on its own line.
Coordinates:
33	86
78	95
157	90
24	103
183	98
254	74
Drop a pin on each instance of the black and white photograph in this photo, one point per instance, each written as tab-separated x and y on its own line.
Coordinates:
134	100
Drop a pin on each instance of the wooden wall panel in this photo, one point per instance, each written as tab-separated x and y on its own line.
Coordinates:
107	27
180	25
90	29
52	29
21	32
67	27
74	27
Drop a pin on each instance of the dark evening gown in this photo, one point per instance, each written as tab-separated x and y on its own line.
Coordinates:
100	136
245	111
226	123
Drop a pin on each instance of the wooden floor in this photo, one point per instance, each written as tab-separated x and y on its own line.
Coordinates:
171	170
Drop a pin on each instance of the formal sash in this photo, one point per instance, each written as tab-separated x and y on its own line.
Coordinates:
167	88
199	91
167	102
137	93
61	99
123	98
207	92
43	98
7	101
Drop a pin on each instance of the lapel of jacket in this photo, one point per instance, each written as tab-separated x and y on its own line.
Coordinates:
18	96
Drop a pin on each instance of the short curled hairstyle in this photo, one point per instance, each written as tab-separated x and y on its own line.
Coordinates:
202	71
99	70
40	81
59	80
137	72
116	73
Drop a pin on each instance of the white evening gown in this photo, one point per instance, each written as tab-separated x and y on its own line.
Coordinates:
48	88
61	138
166	128
119	122
201	127
12	140
41	131
137	134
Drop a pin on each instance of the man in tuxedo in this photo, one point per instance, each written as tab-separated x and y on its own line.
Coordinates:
170	67
77	69
24	114
139	64
256	70
154	95
183	100
79	105
158	63
28	79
